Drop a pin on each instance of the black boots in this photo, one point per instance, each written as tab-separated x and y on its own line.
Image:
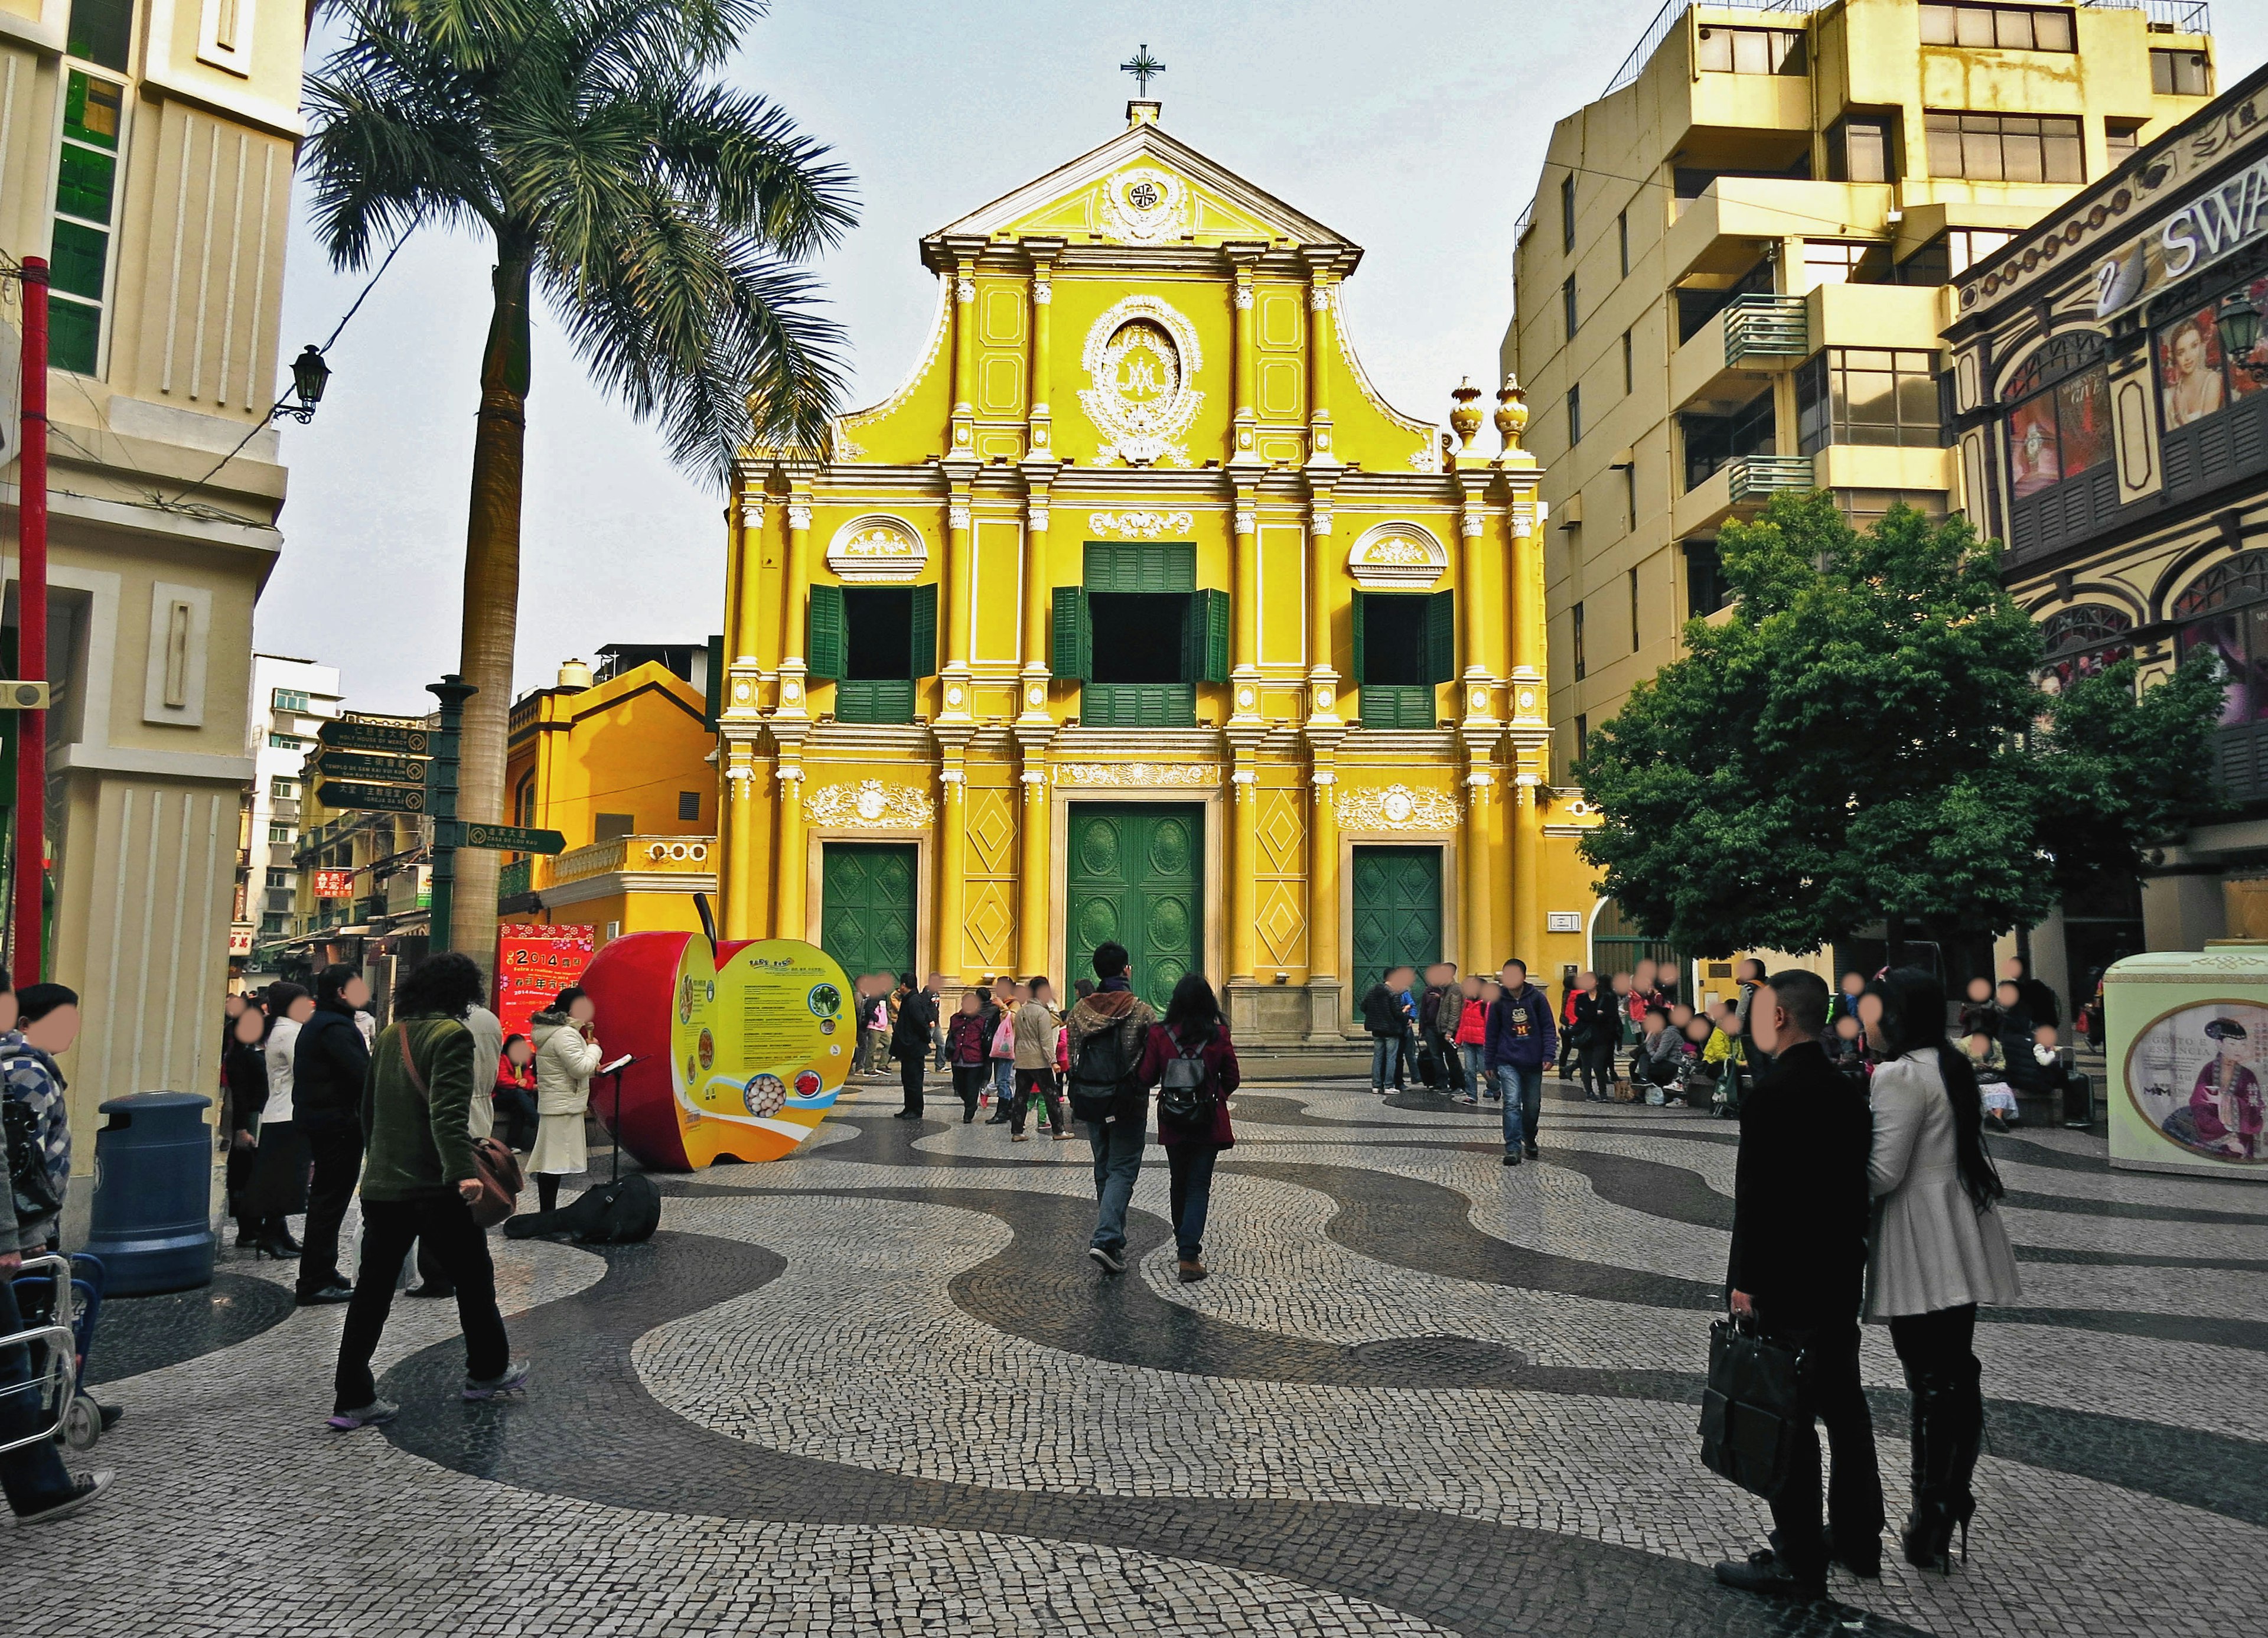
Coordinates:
1948	1430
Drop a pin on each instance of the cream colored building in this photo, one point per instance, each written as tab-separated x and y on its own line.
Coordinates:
146	147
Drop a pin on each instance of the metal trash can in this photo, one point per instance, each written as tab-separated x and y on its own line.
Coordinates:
152	1225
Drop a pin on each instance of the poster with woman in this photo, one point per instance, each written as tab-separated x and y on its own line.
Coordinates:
2196	1075
2189	368
2033	462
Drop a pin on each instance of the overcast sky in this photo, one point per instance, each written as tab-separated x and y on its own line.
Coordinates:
1415	132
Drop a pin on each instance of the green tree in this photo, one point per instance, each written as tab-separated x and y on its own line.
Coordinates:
1864	741
659	215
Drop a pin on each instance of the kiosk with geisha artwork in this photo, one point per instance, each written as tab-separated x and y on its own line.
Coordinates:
736	1049
2189	1061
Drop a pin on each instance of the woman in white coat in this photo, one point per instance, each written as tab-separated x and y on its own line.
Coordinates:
1939	1248
566	1055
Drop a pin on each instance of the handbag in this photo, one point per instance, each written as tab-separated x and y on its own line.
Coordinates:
495	1167
1003	1038
1184	1093
1752	1408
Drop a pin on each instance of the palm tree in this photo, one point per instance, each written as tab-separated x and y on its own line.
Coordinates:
659	214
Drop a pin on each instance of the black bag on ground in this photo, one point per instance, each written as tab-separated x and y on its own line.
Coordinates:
625	1212
1751	1410
1099	1069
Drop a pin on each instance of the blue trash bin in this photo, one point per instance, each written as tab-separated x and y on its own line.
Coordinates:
153	1193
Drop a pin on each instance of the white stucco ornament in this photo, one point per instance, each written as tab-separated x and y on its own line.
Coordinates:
870	805
1397	808
877	549
1140	357
1143	205
1397	556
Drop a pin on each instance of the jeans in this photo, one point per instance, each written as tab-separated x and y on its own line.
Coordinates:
334	1140
1828	1388
1522	1086
1117	1163
1036	1086
33	1477
444	1223
1385	1058
1004	1081
1453	1067
910	1077
1475	1056
1190	1192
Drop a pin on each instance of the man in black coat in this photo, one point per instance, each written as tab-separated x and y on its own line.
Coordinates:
909	1043
1801	1210
329	1063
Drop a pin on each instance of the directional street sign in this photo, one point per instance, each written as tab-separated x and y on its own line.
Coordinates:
376	736
392	799
338	764
508	838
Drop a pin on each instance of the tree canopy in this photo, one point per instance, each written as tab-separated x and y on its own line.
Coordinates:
1864	740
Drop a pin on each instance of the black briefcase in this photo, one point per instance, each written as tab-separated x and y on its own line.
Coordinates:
1751	1410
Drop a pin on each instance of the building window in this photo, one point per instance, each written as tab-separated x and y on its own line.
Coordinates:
1567	213
86	188
1858	150
1722	50
2121	137
1629	371
1697	307
283	790
1404	644
875	642
1705	583
2082	640
1630	495
2004	147
1622	239
1578	645
279	833
2059	425
101	30
1712	442
1575	415
1949	254
1633	600
2181	74
688	804
291	699
2213	355
1845	261
2007	27
1567	305
1866	396
1582	737
613	827
279	878
2226	612
286	742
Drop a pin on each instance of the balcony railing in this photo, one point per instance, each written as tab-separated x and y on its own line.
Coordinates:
676	855
1673	11
1758	477
1766	325
2169	16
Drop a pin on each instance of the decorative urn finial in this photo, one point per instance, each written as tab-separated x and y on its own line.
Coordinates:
1465	419
1511	413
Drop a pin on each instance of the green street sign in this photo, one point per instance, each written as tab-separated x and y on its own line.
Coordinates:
376	736
340	765
507	838
389	798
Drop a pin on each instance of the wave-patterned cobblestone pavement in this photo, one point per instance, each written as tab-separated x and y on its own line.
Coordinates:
879	1389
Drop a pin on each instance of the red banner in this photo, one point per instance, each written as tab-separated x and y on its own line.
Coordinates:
335	884
534	963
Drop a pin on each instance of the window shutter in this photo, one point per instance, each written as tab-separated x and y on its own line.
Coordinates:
1354	667
1073	655
1215	629
823	644
1441	638
923	657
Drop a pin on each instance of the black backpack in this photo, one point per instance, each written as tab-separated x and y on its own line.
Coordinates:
1098	1070
1185	1091
624	1212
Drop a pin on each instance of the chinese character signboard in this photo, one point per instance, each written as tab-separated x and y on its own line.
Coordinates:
335	884
534	963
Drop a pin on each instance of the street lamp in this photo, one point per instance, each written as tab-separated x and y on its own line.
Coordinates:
309	376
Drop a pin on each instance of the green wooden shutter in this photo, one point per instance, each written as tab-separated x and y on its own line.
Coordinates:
714	706
1354	665
1441	638
924	660
823	645
1213	607
1072	653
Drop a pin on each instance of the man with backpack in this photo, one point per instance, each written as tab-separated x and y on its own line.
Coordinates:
1108	1030
1520	1041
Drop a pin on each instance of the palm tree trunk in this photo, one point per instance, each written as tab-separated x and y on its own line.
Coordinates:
491	613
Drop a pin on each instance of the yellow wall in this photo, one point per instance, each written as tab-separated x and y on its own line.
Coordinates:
629	745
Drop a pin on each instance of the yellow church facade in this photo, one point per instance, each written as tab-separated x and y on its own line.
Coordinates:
1136	613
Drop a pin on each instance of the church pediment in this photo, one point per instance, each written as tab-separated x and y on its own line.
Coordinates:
1141	188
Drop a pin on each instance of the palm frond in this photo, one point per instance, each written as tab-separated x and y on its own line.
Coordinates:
743	159
390	147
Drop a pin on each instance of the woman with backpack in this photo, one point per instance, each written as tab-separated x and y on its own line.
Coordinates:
1189	1059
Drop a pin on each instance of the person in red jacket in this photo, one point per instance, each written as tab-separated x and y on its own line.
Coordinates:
1194	1030
968	1043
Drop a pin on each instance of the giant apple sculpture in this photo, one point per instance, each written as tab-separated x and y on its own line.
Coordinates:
737	1048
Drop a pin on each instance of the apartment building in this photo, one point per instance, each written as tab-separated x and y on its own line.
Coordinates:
1733	276
292	699
362	884
146	150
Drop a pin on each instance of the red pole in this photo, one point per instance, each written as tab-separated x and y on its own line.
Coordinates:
31	628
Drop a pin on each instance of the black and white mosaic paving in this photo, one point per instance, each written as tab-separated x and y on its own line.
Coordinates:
877	1388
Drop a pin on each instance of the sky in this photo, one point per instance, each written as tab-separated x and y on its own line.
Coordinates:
1416	134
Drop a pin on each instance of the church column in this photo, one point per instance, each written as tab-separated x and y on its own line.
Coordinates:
1245	446
1243	861
1530	729
1324	574
788	860
1325	1014
959	565
1039	440
1034	729
964	351
1477	728
742	888
1322	352
952	863
795	595
1244	611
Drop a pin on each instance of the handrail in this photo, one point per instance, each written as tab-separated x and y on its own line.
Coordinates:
1673	11
2175	17
62	1356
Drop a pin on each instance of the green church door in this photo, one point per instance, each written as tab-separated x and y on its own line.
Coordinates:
866	907
1397	910
1135	873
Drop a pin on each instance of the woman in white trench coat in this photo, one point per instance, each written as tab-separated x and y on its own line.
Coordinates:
566	1053
1938	1248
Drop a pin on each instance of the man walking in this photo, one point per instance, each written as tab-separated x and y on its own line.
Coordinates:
909	1043
1438	1011
328	1064
1800	1208
1108	1029
1520	1041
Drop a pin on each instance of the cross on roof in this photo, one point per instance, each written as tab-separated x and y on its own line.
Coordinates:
1141	65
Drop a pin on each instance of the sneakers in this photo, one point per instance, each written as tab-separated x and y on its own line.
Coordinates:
1190	1271
1112	1262
1766	1572
1064	1137
1511	1157
377	1414
513	1378
1020	1136
1534	1152
82	1493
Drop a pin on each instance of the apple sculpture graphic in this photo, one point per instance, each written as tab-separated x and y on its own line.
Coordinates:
737	1048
